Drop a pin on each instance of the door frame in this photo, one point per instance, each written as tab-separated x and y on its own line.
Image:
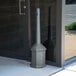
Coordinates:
60	33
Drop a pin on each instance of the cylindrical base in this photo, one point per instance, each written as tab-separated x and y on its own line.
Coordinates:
38	59
38	56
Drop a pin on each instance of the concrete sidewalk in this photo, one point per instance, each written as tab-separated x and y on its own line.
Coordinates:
16	67
69	70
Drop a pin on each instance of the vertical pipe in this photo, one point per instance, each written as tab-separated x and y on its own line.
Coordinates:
38	26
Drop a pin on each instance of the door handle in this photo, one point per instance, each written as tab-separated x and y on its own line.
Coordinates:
20	7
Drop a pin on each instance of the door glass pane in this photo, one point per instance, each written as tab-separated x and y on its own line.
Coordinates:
70	32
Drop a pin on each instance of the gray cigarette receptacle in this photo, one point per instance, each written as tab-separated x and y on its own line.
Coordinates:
38	50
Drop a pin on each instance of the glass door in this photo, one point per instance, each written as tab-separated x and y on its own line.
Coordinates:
14	39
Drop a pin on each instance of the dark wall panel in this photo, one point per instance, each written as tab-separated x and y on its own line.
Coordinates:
13	30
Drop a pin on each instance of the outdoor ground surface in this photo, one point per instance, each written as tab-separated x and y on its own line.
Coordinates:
69	70
16	67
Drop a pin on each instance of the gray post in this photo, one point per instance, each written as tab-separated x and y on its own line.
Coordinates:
38	26
38	50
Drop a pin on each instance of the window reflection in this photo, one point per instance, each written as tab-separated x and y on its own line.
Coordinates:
70	1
